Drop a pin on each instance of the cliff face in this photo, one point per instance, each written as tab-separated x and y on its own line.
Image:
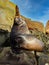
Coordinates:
7	13
47	27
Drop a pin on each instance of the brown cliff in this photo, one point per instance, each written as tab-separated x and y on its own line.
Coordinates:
34	24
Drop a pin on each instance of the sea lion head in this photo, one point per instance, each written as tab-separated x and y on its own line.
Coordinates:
19	21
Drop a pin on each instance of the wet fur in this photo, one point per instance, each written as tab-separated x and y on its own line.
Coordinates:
21	36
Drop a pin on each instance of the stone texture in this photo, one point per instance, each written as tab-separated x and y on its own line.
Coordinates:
7	13
47	27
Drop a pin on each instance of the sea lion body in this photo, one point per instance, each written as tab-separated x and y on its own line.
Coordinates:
21	35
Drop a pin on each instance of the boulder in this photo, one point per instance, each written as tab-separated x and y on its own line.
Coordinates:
7	13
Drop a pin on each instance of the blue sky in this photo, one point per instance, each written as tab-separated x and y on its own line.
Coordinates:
37	10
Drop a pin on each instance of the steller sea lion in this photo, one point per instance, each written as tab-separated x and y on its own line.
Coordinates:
22	39
21	35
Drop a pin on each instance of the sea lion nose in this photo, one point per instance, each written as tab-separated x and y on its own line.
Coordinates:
16	21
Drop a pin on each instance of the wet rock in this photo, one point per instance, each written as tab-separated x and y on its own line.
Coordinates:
18	59
43	60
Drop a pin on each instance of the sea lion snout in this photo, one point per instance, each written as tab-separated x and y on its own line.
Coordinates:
19	21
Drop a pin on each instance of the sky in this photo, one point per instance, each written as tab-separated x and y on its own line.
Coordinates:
37	10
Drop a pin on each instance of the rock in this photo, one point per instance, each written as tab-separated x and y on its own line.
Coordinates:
43	60
48	42
7	13
47	27
24	58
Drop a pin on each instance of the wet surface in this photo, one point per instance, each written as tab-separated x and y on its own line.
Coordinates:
9	58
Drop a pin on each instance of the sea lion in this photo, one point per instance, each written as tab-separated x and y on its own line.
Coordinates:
22	36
